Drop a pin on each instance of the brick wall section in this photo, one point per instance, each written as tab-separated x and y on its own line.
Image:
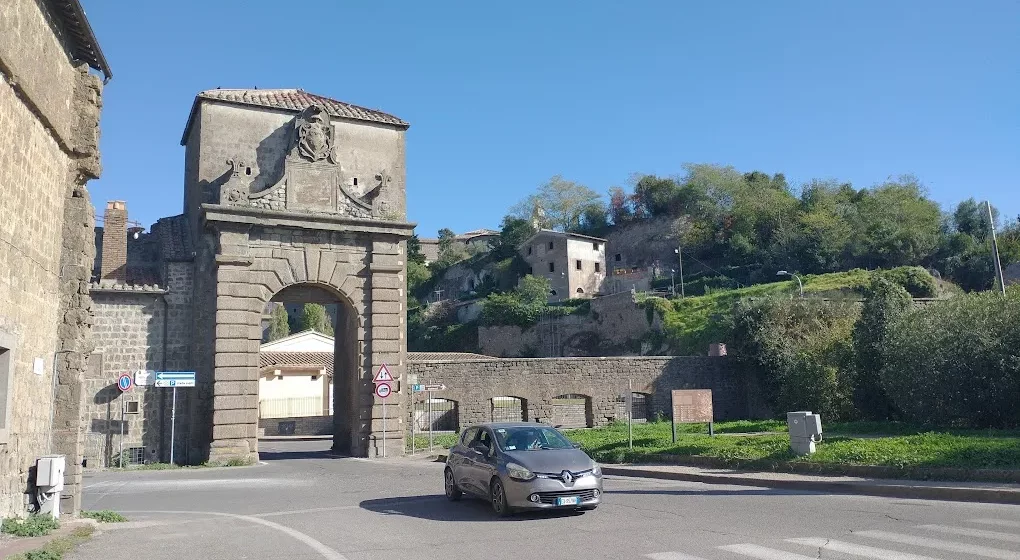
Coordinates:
303	426
473	383
49	111
114	258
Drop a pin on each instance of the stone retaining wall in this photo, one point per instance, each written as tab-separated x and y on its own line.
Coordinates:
539	381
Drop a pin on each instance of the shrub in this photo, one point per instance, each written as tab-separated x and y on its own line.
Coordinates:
957	361
917	281
884	303
803	349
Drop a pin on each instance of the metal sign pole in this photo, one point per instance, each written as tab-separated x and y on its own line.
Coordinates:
384	428
122	430
430	419
173	421
630	415
672	414
412	421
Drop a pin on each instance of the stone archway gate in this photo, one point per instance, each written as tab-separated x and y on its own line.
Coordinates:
287	190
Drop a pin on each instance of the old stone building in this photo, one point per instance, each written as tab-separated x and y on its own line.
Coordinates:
291	198
49	133
574	264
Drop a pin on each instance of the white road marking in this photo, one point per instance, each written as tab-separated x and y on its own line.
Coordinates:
671	556
977	533
999	522
325	551
858	549
939	544
762	553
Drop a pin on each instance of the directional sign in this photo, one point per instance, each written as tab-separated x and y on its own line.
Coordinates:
437	387
175	379
383	375
417	388
383	390
124	382
142	377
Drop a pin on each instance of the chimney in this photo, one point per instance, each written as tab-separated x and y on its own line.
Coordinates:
113	260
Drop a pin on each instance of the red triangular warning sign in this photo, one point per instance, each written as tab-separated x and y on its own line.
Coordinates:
383	375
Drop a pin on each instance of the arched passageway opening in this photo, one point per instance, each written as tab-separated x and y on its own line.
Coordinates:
308	366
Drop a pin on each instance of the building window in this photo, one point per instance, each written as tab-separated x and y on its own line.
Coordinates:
580	290
6	384
597	267
552	292
550	245
552	267
531	270
595	246
132	407
577	265
618	257
529	249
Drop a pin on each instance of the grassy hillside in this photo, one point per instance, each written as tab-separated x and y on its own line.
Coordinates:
692	323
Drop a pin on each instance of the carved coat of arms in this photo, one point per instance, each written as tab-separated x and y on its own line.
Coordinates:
314	138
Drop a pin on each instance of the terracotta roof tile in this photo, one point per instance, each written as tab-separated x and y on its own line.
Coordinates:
298	100
322	359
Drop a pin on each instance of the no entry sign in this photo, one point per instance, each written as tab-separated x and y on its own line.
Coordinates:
383	390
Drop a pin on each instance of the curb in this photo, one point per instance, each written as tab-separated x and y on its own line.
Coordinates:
944	493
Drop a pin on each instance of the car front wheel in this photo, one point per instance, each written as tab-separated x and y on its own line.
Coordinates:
498	499
452	492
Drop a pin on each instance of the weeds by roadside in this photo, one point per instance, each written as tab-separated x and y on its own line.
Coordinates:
104	516
32	526
58	547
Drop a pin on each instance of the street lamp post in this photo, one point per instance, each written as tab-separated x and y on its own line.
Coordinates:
799	283
672	281
680	256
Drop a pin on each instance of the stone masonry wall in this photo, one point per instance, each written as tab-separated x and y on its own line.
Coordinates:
302	426
49	112
138	330
473	383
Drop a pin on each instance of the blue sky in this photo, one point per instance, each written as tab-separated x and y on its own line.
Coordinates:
502	96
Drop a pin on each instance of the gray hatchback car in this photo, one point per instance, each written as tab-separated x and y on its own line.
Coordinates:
517	466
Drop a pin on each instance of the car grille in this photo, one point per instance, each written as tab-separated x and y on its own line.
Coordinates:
550	497
559	475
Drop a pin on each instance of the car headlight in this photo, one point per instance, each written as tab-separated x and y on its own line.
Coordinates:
517	472
596	470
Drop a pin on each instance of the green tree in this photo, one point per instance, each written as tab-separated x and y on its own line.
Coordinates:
533	290
414	254
279	325
513	232
314	317
885	302
562	204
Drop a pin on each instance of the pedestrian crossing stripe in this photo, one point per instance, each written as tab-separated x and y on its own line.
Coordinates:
759	552
977	533
858	549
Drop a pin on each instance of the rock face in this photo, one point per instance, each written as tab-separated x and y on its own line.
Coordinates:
49	150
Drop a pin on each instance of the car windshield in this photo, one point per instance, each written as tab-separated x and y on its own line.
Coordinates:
530	438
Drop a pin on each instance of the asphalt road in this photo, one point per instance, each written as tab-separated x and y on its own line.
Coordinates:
301	504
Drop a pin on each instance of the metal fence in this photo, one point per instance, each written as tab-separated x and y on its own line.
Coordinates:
440	414
290	408
640	407
508	409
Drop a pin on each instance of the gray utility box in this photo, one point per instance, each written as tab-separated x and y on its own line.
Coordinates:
805	431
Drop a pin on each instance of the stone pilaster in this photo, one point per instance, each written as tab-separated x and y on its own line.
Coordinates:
235	361
385	331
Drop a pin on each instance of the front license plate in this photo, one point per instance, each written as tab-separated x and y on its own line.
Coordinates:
568	501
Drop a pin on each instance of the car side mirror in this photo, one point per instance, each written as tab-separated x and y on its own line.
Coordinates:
576	445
